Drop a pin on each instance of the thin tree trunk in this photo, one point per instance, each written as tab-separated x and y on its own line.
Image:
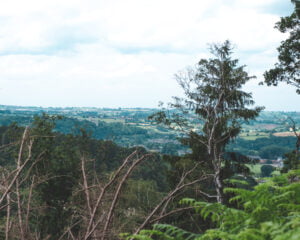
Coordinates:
20	215
29	204
7	226
219	187
19	204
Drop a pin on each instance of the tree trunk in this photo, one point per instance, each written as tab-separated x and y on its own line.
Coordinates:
219	186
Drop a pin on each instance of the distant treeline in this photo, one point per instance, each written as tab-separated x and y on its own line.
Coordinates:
123	134
130	135
267	148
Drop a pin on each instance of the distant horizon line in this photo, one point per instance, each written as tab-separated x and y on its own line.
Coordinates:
114	108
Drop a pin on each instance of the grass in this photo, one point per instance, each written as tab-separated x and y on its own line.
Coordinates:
254	135
285	134
276	173
112	120
255	169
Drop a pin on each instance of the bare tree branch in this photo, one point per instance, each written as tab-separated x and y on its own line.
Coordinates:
181	185
21	165
170	213
99	199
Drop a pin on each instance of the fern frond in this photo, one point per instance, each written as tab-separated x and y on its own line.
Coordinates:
214	234
237	181
175	232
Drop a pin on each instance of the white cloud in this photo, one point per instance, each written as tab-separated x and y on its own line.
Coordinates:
121	52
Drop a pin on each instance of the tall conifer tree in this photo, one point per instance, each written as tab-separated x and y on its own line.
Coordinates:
214	96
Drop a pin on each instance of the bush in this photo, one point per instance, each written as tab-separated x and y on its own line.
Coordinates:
266	170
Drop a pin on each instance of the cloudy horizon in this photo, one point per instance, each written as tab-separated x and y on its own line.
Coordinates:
124	53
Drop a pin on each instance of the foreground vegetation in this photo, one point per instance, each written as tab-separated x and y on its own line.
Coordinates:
56	186
269	211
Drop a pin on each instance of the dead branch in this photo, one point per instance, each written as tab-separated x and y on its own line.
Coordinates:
181	185
8	222
103	190
297	134
170	213
117	193
20	167
85	183
28	204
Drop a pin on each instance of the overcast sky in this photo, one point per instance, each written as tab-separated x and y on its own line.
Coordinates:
124	53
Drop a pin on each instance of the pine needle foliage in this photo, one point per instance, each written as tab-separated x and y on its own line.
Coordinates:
270	211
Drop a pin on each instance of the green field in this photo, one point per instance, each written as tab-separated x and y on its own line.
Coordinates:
112	120
253	135
256	170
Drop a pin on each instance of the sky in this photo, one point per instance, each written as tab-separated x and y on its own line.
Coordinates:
124	53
